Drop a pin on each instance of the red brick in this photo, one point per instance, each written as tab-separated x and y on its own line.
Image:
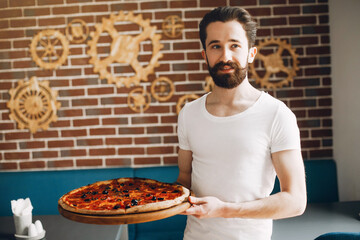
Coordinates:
94	8
183	4
115	121
8	166
22	23
60	143
71	92
66	10
144	120
310	144
170	160
153	5
32	165
131	151
102	151
286	10
31	12
322	153
46	134
4	24
118	162
8	146
50	2
98	111
148	160
118	141
259	11
32	144
5	45
17	135
170	139
10	13
318	50
123	6
51	21
86	122
273	21
73	133
45	154
7	126
169	119
159	129
68	72
148	140
60	164
70	113
73	153
88	162
131	130
84	102
8	34
16	155
302	20
102	131
212	3
160	150
322	112
89	142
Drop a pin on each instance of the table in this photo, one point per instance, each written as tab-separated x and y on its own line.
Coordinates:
318	218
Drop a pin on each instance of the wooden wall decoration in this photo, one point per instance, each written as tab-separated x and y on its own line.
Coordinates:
77	31
33	104
274	63
125	49
209	84
139	100
49	49
185	99
173	26
162	89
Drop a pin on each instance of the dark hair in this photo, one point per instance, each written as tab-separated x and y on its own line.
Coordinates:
225	14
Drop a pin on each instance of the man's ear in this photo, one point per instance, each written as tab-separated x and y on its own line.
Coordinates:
203	53
252	54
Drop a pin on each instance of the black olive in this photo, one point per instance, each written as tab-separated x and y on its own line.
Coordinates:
137	188
134	202
153	188
121	184
117	206
94	193
87	200
148	195
126	207
176	191
160	198
154	198
163	192
107	187
126	191
105	192
130	184
83	196
127	195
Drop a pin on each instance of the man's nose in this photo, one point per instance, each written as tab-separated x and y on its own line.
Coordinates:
226	55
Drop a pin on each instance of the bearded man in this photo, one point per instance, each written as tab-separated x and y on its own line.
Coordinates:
235	140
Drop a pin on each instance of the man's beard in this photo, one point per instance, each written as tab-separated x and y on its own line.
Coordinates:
229	80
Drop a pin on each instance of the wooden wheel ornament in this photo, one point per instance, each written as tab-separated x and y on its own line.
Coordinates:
162	89
209	84
125	49
183	100
274	63
77	31
139	100
33	104
172	26
49	49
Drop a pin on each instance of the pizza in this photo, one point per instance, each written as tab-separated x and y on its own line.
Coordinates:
124	196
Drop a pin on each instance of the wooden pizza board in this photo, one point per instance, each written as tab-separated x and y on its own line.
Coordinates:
124	218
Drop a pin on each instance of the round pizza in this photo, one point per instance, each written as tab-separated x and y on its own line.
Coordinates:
124	196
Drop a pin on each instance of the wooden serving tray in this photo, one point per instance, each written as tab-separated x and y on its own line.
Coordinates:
124	218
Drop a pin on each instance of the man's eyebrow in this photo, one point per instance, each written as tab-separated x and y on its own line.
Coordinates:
217	41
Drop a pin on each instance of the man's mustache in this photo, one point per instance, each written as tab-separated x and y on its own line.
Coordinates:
220	65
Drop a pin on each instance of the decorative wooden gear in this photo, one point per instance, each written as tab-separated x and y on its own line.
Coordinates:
125	49
139	100
33	104
274	64
172	26
183	100
45	50
162	89
77	31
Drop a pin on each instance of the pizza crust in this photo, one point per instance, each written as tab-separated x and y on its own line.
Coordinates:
148	207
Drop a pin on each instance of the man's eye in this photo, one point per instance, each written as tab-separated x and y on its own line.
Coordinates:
215	46
235	46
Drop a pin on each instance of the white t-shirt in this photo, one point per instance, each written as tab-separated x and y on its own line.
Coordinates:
232	161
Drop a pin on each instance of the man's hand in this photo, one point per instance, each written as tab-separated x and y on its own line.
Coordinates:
206	207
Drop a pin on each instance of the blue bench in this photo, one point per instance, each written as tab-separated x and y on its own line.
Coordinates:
44	188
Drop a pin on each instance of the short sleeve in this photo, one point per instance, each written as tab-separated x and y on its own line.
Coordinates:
182	136
285	134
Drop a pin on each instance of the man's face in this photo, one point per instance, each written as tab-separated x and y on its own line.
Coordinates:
226	53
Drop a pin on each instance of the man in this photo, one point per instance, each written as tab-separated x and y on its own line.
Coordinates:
234	140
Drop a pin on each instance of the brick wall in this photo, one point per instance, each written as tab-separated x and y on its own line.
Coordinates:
95	126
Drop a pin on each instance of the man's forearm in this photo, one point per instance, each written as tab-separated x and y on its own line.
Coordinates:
277	206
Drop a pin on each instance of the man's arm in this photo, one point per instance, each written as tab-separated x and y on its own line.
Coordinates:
185	168
291	201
